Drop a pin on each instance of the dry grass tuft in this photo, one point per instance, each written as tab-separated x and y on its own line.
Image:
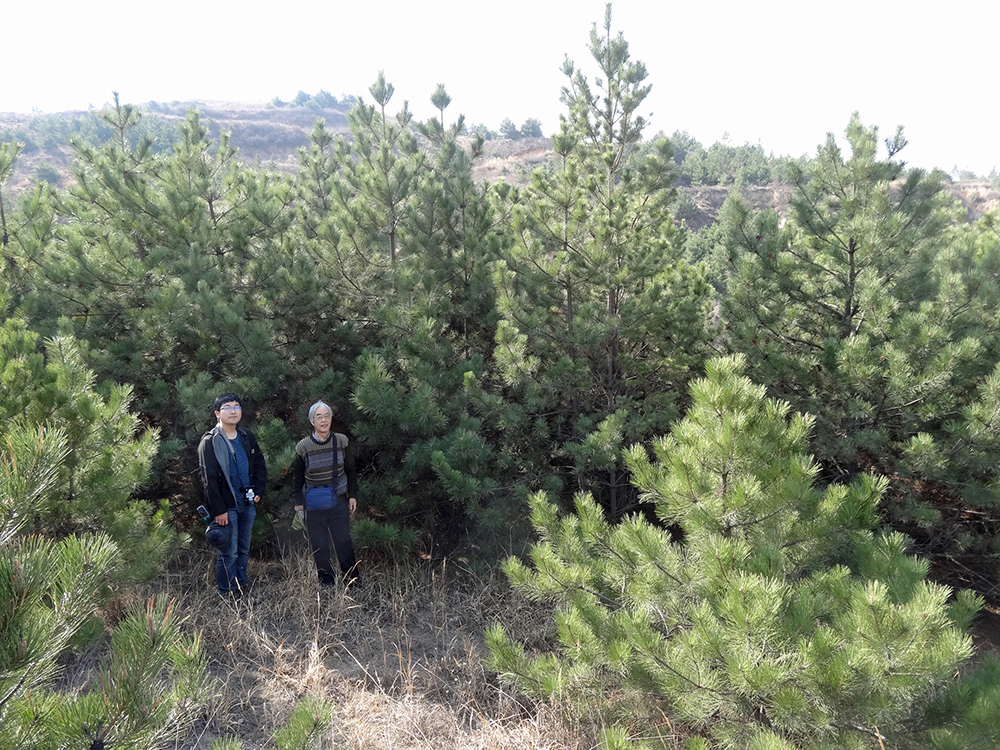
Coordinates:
400	659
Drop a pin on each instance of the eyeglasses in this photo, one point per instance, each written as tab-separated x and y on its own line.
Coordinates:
231	408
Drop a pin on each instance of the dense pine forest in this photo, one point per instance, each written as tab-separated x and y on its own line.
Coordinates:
747	470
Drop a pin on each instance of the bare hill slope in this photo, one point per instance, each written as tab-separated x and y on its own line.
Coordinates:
271	137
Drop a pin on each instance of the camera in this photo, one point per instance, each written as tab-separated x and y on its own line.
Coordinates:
202	511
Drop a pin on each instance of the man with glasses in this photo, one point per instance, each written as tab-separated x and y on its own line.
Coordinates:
325	486
234	475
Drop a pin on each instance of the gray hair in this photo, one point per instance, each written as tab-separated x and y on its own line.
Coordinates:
316	407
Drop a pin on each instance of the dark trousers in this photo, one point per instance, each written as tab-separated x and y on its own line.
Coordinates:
333	525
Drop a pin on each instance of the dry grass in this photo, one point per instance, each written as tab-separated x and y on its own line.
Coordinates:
400	660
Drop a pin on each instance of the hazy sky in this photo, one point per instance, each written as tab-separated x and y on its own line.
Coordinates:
781	73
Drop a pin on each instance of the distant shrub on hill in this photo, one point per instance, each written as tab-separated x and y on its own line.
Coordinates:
52	131
323	99
47	173
722	163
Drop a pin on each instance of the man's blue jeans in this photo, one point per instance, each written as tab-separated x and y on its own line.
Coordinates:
231	565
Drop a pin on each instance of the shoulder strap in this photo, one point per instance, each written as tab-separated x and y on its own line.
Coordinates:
229	444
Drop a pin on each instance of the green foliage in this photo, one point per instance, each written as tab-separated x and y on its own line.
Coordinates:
683	143
480	343
325	99
53	131
599	314
481	131
783	618
959	449
869	311
106	457
434	130
302	730
440	100
50	591
531	128
746	164
23	366
509	130
305	725
703	247
162	264
684	206
150	688
9	152
722	163
47	173
353	200
433	312
964	714
368	198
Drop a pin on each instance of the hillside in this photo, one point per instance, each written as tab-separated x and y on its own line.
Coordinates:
271	137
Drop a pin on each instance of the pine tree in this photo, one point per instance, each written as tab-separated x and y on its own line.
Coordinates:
25	229
782	617
509	130
52	589
416	388
402	237
871	310
107	457
376	182
8	157
167	268
353	199
602	321
955	441
325	312
828	306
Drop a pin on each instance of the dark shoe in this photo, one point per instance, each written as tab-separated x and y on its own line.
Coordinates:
326	577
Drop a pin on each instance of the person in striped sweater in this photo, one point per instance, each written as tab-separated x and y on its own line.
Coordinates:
325	487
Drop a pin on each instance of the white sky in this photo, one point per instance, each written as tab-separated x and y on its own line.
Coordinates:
781	73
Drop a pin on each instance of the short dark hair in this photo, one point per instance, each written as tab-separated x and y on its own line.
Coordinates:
226	398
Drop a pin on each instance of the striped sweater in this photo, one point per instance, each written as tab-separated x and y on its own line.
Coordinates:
314	467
